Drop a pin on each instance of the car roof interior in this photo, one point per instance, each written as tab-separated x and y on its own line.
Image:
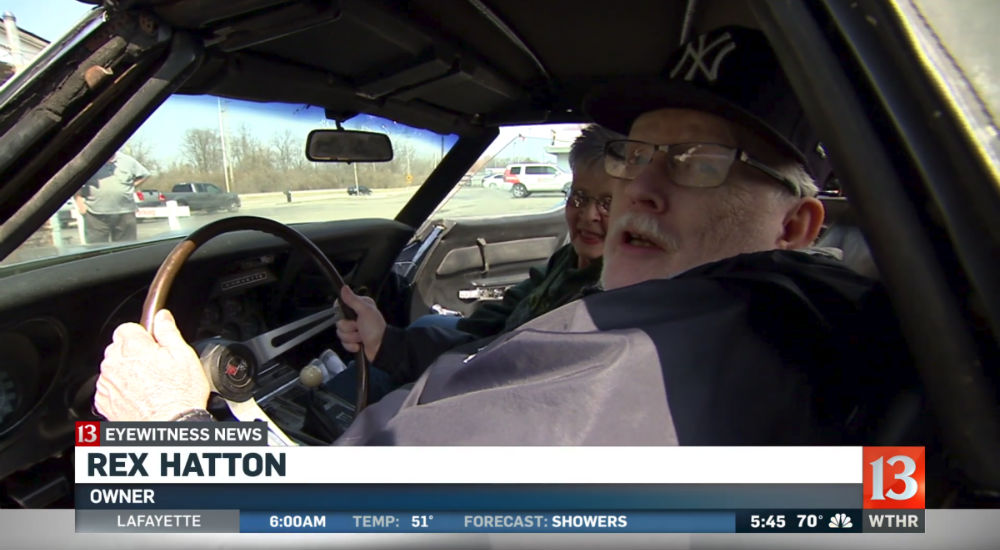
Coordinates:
453	67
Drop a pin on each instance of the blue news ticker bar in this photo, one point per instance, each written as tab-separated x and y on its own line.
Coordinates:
809	520
416	497
493	522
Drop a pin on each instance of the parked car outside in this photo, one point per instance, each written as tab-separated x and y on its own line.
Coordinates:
525	179
496	181
149	198
203	196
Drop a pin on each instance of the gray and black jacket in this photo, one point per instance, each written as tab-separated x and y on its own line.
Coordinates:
406	353
771	348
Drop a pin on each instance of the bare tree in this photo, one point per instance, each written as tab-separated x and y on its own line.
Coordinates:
288	151
202	150
139	149
247	152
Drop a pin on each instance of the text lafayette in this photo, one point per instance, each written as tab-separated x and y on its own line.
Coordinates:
159	520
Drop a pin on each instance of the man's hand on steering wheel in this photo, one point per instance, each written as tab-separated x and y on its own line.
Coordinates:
150	377
367	329
147	379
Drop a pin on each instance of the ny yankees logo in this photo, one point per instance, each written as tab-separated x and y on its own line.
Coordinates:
699	56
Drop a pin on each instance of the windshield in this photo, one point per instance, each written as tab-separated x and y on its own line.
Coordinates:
201	158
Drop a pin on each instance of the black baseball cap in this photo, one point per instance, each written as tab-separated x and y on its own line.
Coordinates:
731	72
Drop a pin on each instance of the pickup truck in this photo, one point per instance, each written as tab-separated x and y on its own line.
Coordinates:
203	196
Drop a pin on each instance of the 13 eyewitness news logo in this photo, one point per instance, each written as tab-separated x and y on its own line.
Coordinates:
96	434
894	477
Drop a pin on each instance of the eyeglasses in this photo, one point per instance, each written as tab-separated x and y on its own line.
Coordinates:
689	164
579	199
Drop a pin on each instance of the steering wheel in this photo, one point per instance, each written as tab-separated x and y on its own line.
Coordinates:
232	366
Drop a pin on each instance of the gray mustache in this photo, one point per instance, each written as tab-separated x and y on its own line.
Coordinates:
645	225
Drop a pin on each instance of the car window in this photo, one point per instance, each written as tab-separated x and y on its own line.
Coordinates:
970	38
958	48
490	193
256	153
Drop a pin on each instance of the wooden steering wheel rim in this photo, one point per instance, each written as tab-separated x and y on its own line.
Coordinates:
159	289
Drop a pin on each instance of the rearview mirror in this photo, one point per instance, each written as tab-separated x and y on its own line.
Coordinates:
348	146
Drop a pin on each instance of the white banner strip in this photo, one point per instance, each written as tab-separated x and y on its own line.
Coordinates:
132	465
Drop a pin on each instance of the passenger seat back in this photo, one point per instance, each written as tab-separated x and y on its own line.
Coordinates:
844	234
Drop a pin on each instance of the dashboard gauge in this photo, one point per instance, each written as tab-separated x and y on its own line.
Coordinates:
22	371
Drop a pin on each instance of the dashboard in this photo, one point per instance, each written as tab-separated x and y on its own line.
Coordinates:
56	319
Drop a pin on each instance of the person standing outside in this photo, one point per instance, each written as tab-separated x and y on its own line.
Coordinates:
106	202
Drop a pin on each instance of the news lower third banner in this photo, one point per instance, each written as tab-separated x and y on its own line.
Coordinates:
222	477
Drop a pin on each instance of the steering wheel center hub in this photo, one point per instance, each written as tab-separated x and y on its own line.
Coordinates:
231	367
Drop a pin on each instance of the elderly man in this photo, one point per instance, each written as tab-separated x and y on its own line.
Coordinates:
713	327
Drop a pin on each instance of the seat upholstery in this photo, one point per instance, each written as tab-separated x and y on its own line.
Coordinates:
851	242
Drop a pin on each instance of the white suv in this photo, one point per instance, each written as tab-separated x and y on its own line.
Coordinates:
525	179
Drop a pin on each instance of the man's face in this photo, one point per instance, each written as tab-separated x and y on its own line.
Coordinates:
659	229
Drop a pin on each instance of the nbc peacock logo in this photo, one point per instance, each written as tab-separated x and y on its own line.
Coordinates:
840	521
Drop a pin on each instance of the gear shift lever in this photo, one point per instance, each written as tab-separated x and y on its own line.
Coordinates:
311	376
